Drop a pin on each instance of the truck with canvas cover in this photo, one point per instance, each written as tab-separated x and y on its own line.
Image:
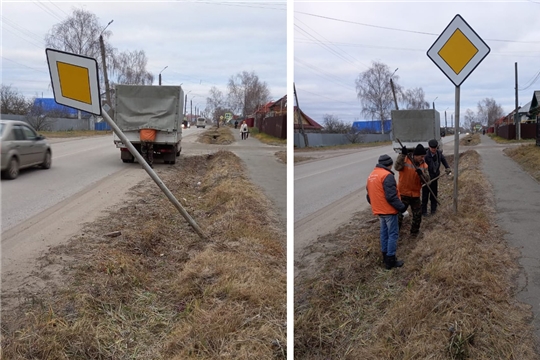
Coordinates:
150	107
413	127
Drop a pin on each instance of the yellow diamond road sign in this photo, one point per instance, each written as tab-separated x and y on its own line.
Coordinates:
458	50
74	80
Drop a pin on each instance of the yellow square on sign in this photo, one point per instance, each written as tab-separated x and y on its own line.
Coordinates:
458	51
74	82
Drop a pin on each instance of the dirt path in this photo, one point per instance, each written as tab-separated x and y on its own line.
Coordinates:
23	244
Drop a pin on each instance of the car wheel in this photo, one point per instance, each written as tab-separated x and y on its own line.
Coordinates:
12	170
46	164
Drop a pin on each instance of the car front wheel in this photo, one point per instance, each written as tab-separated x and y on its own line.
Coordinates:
46	164
12	170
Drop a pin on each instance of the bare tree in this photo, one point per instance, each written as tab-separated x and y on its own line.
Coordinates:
375	93
78	34
13	102
129	68
414	99
489	111
332	124
247	92
216	105
469	119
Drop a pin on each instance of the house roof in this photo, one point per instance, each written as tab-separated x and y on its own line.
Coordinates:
535	102
525	108
308	122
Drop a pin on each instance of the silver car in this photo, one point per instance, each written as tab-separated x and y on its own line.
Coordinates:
22	147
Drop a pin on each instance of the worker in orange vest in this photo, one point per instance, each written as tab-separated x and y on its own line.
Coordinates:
410	183
383	195
148	136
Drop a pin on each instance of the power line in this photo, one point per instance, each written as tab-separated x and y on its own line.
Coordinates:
403	30
339	101
532	81
16	62
46	9
336	47
36	45
322	73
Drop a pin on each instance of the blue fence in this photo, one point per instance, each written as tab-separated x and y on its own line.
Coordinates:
102	126
372	127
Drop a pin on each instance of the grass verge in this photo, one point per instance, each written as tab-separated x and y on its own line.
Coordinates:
282	156
501	140
73	133
346	146
158	291
265	138
298	159
221	135
453	299
528	156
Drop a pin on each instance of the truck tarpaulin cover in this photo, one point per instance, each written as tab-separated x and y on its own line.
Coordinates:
152	107
416	125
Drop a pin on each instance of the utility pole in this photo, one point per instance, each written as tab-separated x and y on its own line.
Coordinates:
185	108
306	141
190	109
394	93
107	90
516	117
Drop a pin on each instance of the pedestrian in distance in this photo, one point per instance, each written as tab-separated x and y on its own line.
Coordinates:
236	124
147	137
413	172
383	196
434	158
244	130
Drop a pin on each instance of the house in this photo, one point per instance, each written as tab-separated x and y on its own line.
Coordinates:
308	123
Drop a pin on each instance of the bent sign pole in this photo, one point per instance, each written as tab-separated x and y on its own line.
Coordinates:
457	52
75	83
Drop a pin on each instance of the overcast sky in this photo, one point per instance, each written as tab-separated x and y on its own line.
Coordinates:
202	43
335	42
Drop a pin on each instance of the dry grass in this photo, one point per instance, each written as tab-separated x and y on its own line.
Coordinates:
282	156
347	146
73	133
265	138
221	135
501	140
470	140
453	299
158	291
301	158
528	156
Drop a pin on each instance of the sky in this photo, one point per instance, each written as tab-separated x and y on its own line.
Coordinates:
335	42
199	44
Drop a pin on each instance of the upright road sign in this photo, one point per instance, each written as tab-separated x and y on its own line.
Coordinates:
457	52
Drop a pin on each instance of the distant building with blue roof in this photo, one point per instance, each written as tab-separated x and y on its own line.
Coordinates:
50	105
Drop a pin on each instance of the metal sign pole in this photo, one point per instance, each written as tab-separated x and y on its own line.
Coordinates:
456	152
152	174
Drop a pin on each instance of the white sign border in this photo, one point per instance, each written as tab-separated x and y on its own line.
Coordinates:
53	57
483	50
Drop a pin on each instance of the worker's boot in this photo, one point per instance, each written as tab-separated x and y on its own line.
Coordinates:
392	262
383	257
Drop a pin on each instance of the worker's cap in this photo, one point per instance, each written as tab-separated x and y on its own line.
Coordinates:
433	143
419	150
385	160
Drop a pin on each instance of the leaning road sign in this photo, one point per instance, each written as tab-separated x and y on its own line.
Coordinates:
74	80
458	50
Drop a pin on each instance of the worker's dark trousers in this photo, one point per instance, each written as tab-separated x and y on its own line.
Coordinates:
426	195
